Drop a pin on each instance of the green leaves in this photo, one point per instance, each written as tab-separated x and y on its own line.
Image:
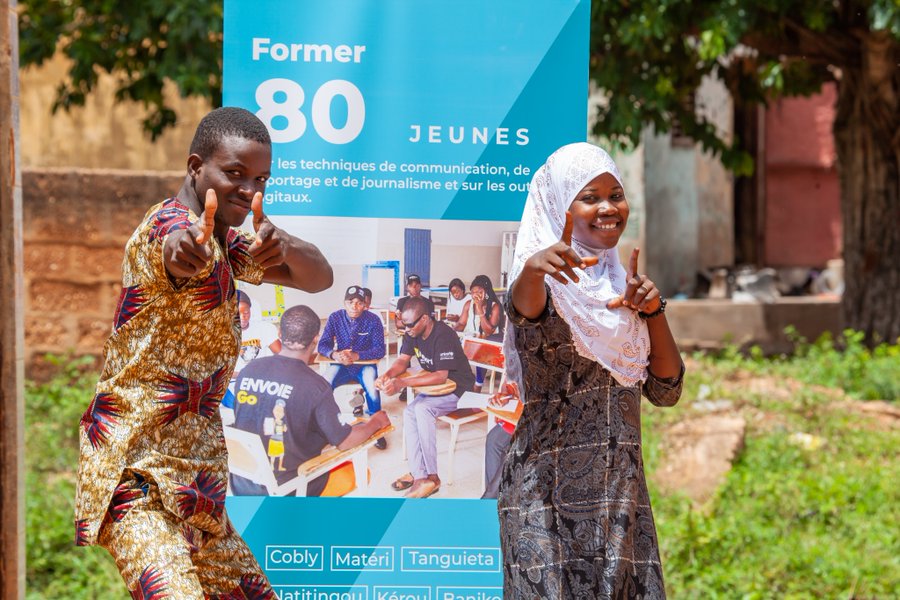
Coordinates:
144	44
885	16
649	57
55	569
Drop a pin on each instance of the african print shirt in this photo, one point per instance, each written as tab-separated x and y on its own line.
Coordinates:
167	365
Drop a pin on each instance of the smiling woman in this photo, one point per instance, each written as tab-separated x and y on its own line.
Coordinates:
579	346
600	212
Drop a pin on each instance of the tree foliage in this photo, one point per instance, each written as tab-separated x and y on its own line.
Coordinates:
143	43
649	56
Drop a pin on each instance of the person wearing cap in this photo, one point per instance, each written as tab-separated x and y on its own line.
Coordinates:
354	334
413	290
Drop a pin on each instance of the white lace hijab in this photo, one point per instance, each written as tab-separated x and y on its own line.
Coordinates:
616	338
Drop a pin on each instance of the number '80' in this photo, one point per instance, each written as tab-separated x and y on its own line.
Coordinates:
290	101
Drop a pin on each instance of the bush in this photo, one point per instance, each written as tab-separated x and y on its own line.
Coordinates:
790	523
846	363
55	567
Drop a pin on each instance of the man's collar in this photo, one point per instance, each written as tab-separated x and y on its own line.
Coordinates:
429	328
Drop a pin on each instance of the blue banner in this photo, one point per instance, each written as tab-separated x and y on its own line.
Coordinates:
399	109
358	548
421	125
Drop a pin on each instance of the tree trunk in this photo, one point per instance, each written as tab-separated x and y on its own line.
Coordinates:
867	135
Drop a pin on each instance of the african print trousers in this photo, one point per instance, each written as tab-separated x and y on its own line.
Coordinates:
161	556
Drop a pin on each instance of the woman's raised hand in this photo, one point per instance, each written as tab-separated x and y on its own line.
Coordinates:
559	261
640	293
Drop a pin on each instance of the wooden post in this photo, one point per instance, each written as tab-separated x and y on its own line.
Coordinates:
12	404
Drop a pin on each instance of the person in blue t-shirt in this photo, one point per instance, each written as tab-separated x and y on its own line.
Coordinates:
354	334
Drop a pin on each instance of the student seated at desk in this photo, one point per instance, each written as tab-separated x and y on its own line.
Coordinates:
282	395
441	355
258	338
413	290
458	306
487	310
354	334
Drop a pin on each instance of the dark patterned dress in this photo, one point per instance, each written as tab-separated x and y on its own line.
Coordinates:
575	519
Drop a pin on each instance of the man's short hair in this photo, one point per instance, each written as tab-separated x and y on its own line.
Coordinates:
418	305
299	325
228	121
243	298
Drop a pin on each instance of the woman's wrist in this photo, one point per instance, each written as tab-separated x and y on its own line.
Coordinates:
654	313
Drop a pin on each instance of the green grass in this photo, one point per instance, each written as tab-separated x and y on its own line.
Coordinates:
55	567
845	363
787	523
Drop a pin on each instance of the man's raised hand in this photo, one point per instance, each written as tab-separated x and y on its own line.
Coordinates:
640	293
268	247
186	252
207	222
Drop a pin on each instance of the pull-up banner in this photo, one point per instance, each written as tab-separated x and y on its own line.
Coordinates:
389	113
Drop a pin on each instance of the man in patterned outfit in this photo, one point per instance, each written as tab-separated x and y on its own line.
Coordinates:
153	468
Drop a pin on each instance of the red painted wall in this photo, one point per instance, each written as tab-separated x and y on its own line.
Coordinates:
802	205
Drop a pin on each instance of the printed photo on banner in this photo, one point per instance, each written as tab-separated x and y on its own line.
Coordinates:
319	403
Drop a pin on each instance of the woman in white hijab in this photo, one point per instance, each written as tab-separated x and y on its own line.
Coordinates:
586	339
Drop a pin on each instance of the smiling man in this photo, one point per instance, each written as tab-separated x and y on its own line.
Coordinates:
351	335
153	461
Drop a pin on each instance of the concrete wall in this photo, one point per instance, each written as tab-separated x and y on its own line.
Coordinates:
715	184
689	201
673	228
803	198
709	324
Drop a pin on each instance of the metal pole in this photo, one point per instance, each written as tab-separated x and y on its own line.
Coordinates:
12	404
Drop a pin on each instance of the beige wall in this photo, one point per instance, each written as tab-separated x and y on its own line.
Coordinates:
102	134
689	200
